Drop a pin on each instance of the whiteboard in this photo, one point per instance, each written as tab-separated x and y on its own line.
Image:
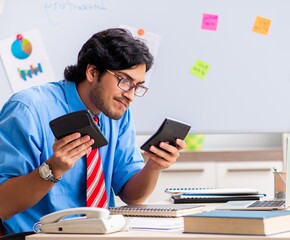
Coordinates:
247	87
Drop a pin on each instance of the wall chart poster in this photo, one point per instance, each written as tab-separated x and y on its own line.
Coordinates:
25	60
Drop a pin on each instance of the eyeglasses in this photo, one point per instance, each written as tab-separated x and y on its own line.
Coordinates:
127	85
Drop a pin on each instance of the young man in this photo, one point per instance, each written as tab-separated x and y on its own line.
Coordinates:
109	73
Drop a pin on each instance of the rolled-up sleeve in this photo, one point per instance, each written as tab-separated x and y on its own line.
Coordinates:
19	149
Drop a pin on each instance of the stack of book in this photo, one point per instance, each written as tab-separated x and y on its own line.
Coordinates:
212	195
238	222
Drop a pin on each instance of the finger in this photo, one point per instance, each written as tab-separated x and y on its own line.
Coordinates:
163	159
65	140
163	163
180	144
167	151
82	149
74	144
160	153
78	142
81	153
66	159
73	148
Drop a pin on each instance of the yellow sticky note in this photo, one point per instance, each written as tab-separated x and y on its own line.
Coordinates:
200	69
262	25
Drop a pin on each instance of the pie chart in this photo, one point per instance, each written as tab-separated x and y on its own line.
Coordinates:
21	48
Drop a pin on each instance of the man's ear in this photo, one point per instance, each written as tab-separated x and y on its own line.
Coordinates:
91	73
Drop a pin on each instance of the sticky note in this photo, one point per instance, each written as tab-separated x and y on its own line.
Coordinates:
200	69
209	22
194	142
262	25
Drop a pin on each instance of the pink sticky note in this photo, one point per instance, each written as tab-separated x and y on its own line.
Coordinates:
209	22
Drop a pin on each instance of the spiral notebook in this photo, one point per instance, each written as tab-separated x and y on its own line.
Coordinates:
157	210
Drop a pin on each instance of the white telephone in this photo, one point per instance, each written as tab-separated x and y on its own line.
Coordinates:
96	220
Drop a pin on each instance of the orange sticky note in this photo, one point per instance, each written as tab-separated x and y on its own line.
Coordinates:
262	25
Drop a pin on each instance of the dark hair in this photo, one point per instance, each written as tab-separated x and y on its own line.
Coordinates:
114	49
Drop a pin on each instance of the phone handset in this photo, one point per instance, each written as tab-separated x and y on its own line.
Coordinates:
95	220
90	212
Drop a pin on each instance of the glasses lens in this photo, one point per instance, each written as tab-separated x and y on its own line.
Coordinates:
140	91
125	84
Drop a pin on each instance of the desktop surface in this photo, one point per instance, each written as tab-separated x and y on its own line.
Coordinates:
142	235
154	234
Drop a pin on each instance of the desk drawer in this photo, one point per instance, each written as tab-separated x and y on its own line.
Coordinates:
247	174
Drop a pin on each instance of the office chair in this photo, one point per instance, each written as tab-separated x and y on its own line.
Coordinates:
16	236
1	229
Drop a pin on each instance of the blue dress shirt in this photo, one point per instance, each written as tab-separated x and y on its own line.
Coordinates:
26	142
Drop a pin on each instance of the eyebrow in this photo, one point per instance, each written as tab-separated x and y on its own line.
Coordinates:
130	78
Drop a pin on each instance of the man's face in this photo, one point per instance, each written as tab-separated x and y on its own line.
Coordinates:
108	98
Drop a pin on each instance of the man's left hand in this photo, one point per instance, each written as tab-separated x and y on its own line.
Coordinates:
163	157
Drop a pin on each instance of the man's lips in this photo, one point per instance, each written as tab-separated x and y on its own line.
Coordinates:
123	102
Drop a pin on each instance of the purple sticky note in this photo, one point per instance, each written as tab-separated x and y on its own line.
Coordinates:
209	22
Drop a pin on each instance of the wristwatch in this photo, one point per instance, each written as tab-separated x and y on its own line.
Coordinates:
45	172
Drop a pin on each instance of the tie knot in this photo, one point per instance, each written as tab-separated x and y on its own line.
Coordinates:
96	119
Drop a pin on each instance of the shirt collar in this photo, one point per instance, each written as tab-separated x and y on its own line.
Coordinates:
72	96
73	99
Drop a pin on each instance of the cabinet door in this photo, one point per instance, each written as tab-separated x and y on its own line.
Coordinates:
184	174
258	175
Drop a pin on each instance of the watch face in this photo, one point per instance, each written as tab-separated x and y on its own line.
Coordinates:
44	171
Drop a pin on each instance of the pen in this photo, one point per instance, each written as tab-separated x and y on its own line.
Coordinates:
275	171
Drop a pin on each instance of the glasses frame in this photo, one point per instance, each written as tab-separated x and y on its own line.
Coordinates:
132	85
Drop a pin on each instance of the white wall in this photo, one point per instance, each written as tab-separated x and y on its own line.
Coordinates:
235	141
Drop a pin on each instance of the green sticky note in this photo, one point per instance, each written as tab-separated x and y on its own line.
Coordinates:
200	69
194	142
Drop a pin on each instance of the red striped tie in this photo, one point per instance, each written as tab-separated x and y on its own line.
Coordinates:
96	190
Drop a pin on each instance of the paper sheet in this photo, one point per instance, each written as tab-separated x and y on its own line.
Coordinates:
157	224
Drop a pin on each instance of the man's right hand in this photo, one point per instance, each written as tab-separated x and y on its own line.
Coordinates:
67	151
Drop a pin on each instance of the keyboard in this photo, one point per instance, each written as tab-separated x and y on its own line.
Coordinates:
267	203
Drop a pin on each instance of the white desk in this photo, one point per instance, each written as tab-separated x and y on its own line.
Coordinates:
142	235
